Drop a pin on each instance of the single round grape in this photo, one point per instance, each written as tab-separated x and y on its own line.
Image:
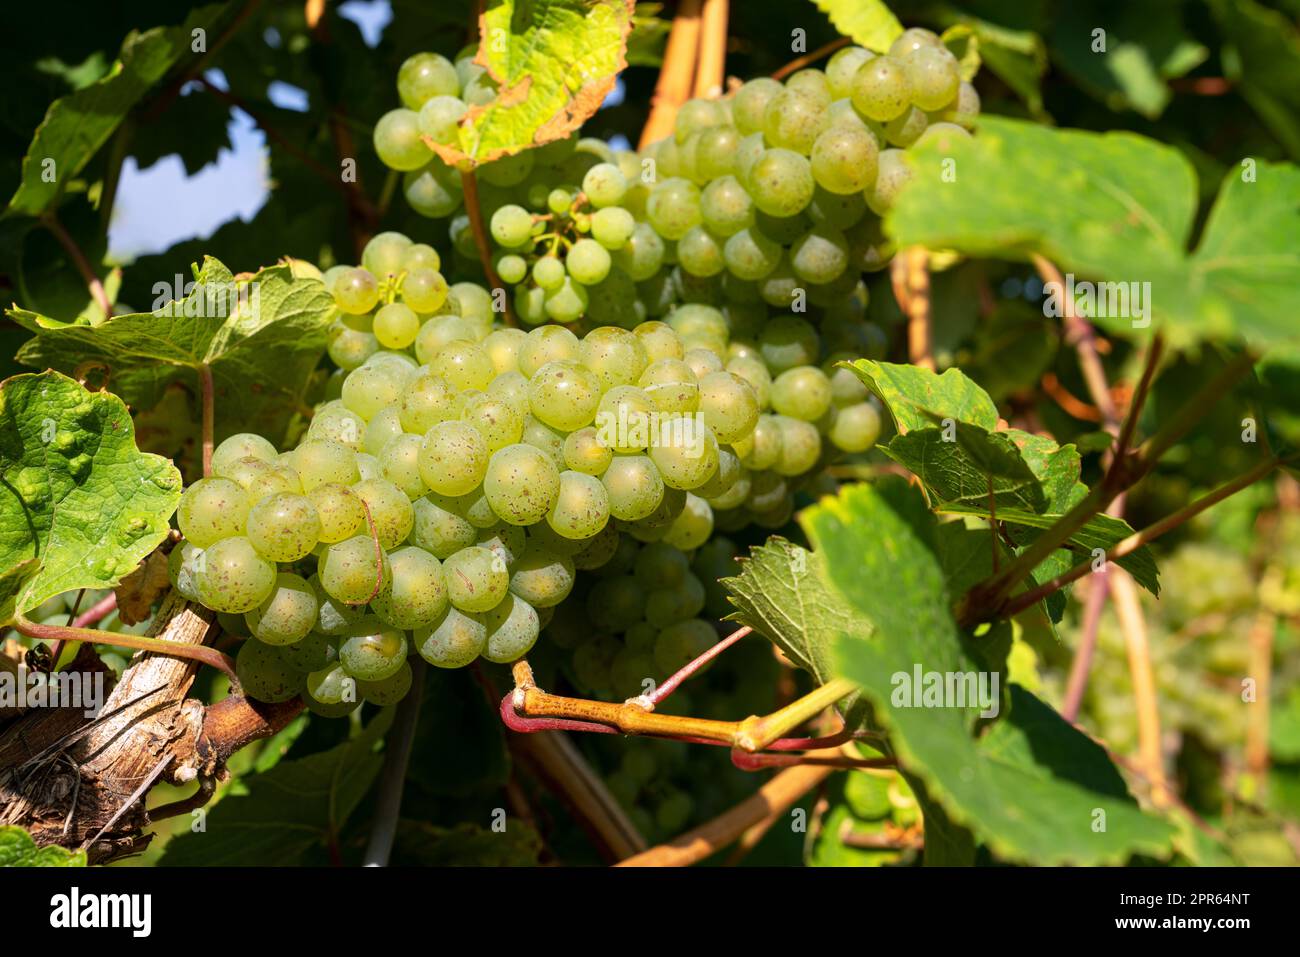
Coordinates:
754	372
383	427
287	614
397	140
788	341
581	508
263	674
240	446
564	395
512	268
496	419
373	387
454	641
625	419
542	578
963	109
390	690
703	360
182	569
855	427
319	461
700	253
547	344
368	467
568	302
356	291
894	174
440	527
598	550
715	153
440	116
426	402
725	207
794	119
671	386
512	628
673	207
728	406
331	685
545	439
212	509
421	256
333	617
477	579
689	531
400	464
508	170
284	527
310	653
588	261
803	392
686	454
505	541
605	185
502	347
880	89
642	254
396	325
338	510
843	67
463	365
634	486
335	422
844	160
781	182
904	130
801	445
751	255
762	448
750	103
512	226
390	510
232	577
372	652
820	256
933	76
424	290
612	227
659	342
382	255
431	191
522	483
349	348
584	452
615	356
453	458
425	75
350	569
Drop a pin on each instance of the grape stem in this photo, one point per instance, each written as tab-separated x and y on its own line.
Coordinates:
160	646
795	65
393	777
470	184
209	415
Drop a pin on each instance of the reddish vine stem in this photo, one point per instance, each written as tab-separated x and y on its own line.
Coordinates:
475	213
675	681
79	260
795	65
208	390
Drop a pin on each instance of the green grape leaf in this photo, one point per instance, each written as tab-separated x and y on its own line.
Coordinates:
781	593
555	62
1115	211
262	339
1017	57
287	811
421	844
76	495
968	464
1284	727
1262	57
17	849
1078	815
460	747
77	125
917	398
870	23
963	42
646	42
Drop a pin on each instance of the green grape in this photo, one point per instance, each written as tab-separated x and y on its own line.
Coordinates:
844	160
549	273
803	392
440	115
843	67
751	255
284	527
276	479
313	652
716	152
747	153
564	395
840	211
933	76
671	386
331	685
372	387
247	471
396	325
801	445
605	185
906	129
615	356
963	109
679	603
547	344
542	578
400	464
703	359
625	419
754	372
512	268
568	302
728	406
512	226
612	227
453	458
231	576
751	101
477	578
685	455
182	569
855	428
240	446
581	508
439	527
335	422
700	253
880	89
810	82
463	365
382	255
212	509
333	617
425	75
542	437
512	628
781	182
673	208
423	290
383	428
338	510
642	254
356	291
421	256
368	467
318	461
588	261
287	614
660	566
369	651
454	641
695	115
263	674
431	191
349	348
894	174
509	170
658	341
505	541
681	643
502	347
788	341
762	449
820	256
397	140
794	119
390	510
390	690
350	569
522	483
426	402
725	207
691	529
585	452
634	486
496	418
597	550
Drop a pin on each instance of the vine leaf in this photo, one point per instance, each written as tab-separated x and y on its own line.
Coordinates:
287	811
1031	758
77	125
870	23
262	339
17	849
555	62
80	505
1019	191
1266	45
421	844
